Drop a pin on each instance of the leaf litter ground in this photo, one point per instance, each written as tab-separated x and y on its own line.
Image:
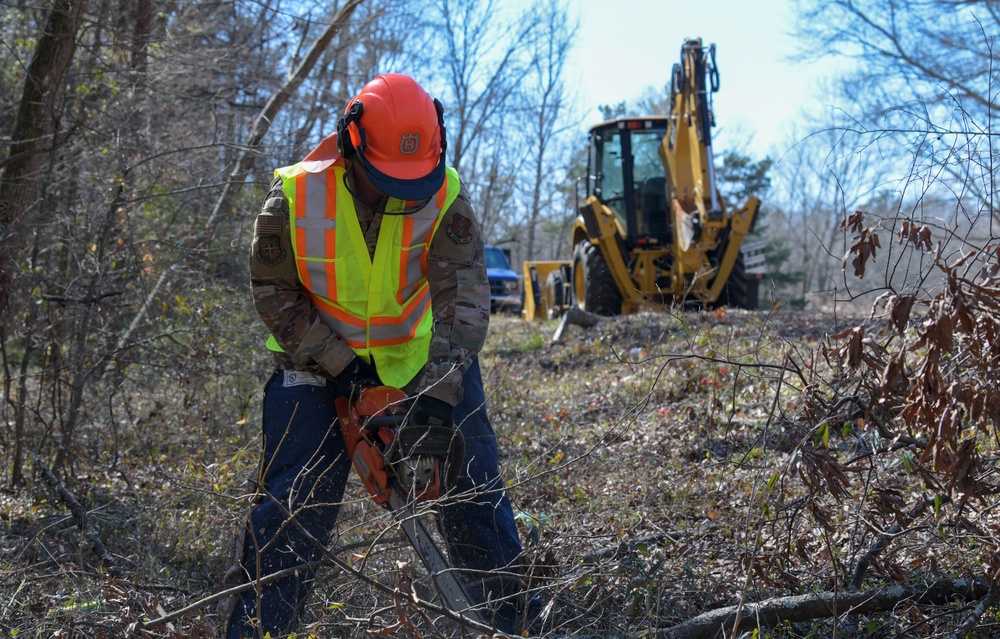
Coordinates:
649	459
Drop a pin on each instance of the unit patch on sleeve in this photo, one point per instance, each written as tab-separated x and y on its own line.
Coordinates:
269	250
460	229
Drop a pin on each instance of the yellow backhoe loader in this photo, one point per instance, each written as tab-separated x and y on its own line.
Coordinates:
654	229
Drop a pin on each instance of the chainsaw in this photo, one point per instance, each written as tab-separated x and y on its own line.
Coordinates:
369	428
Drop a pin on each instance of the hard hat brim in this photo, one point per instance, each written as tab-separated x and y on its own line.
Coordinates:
415	189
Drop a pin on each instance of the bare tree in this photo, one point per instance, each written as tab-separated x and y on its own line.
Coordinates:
118	262
262	122
930	53
546	100
820	178
925	81
483	54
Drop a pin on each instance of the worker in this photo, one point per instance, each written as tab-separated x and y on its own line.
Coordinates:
367	268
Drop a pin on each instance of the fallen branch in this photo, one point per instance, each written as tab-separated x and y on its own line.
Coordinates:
80	515
624	548
973	619
817	605
230	592
880	544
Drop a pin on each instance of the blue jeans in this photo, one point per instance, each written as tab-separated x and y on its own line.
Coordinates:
304	473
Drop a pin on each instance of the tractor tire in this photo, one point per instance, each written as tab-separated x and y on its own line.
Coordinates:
594	289
739	291
555	303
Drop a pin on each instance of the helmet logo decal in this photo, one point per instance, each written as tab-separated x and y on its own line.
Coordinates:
409	143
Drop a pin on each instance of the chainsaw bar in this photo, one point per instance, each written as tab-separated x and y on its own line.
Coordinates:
368	432
451	590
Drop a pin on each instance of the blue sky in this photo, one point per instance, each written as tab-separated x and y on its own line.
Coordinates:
625	46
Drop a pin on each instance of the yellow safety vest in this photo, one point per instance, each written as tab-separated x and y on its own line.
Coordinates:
381	306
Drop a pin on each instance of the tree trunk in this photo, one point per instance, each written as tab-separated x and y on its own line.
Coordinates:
31	139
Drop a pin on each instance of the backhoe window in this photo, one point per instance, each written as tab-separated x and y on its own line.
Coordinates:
646	154
610	186
652	217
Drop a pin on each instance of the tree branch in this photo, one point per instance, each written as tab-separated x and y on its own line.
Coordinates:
262	123
816	605
80	515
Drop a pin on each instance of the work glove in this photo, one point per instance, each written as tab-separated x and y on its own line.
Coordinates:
431	411
357	376
429	432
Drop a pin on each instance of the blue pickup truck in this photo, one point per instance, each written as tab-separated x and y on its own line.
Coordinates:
505	285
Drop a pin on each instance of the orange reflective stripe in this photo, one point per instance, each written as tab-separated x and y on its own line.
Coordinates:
300	233
337	312
300	194
301	262
330	269
386	331
421	298
352	329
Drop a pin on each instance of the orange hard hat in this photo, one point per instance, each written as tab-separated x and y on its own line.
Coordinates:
396	131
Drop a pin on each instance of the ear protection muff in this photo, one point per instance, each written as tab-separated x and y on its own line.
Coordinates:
350	135
440	113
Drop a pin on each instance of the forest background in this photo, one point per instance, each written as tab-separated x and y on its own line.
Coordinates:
841	440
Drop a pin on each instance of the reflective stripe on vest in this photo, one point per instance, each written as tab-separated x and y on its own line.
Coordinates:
380	306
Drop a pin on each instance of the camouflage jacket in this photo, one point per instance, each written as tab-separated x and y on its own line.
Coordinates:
456	272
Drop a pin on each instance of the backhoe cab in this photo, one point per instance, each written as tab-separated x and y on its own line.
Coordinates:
653	229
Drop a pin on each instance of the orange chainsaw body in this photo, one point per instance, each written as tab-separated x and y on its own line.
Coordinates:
369	429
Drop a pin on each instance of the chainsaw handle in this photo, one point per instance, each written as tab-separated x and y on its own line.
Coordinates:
376	400
388	421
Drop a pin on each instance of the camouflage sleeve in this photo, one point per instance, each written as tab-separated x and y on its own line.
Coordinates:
282	304
460	301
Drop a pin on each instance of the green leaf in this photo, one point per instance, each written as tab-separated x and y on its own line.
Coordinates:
909	463
824	433
533	523
772	481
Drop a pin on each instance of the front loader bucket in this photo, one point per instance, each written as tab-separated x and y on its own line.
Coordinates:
536	305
